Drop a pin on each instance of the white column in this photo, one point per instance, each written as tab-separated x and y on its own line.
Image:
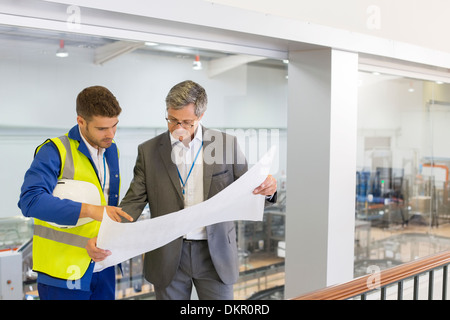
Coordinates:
321	164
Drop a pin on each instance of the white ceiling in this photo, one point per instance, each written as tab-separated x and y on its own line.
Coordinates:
11	38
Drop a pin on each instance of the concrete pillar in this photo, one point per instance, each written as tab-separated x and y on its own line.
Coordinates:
321	169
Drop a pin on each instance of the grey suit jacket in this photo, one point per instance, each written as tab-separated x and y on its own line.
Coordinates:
156	182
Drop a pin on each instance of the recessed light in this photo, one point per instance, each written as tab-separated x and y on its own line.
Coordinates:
62	52
197	64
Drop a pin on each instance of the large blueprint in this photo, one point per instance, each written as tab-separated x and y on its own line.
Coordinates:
236	202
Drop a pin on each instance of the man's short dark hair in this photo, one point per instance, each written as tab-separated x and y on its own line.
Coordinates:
97	101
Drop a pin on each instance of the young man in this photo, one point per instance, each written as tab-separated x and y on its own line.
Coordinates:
86	155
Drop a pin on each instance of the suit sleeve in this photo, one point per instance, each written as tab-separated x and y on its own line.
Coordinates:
136	198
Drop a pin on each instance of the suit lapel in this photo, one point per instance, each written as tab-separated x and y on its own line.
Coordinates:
207	168
165	152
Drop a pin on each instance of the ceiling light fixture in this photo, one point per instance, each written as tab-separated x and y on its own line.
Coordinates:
62	52
197	64
151	44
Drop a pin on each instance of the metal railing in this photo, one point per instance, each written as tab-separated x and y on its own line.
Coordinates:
425	278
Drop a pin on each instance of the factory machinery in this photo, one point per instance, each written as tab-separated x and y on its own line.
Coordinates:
16	258
388	200
386	196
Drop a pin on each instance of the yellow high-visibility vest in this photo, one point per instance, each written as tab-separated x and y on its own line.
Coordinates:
60	252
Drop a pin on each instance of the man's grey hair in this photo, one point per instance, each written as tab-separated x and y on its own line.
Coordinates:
187	92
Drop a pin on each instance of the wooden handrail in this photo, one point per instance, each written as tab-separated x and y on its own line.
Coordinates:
359	286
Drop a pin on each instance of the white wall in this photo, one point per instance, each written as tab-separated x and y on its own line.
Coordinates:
39	89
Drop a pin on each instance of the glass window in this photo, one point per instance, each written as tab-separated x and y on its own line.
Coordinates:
403	158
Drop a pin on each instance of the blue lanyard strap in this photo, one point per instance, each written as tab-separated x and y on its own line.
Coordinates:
193	163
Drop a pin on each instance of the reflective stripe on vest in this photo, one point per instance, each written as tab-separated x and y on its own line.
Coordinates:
59	251
60	236
69	168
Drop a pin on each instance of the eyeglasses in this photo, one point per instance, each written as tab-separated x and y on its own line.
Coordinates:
186	124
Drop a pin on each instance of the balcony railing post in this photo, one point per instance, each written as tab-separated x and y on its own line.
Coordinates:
444	282
430	284
383	293
400	290
416	288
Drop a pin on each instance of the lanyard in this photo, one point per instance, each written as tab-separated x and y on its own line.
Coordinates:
193	163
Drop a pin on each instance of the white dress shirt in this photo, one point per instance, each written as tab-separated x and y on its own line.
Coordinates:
184	157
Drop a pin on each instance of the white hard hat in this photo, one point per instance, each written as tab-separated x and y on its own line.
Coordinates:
79	191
